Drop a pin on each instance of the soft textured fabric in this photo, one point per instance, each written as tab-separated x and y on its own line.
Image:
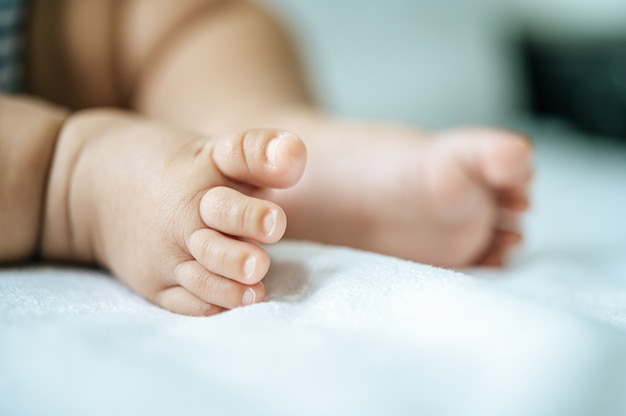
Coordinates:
12	18
347	332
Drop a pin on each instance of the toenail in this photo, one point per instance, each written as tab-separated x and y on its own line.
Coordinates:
272	149
248	297
269	222
248	267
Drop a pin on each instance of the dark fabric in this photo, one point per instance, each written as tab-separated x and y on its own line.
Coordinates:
12	34
581	82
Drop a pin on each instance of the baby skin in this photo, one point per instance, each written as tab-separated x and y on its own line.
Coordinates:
434	198
166	199
175	215
178	217
451	199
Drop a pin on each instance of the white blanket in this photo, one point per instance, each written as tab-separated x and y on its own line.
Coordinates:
353	333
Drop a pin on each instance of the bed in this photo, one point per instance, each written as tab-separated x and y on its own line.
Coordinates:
349	332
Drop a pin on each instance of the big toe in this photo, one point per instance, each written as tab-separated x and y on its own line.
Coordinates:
507	160
501	158
262	157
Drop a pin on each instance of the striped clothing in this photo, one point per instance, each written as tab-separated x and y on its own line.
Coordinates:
12	25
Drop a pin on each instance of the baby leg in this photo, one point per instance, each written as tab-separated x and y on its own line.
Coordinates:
28	133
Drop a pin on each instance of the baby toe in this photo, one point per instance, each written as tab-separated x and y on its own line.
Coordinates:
179	300
233	213
506	159
499	249
503	159
515	198
228	257
266	157
214	289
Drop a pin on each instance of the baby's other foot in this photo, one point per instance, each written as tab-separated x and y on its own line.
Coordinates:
175	215
479	184
396	190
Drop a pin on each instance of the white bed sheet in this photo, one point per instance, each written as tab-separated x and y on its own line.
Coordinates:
348	332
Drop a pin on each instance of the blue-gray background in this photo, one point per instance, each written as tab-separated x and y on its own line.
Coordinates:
434	63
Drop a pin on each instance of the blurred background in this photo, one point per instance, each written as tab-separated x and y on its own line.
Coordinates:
455	62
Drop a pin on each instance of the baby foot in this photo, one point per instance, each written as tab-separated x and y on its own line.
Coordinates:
395	190
174	215
479	183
